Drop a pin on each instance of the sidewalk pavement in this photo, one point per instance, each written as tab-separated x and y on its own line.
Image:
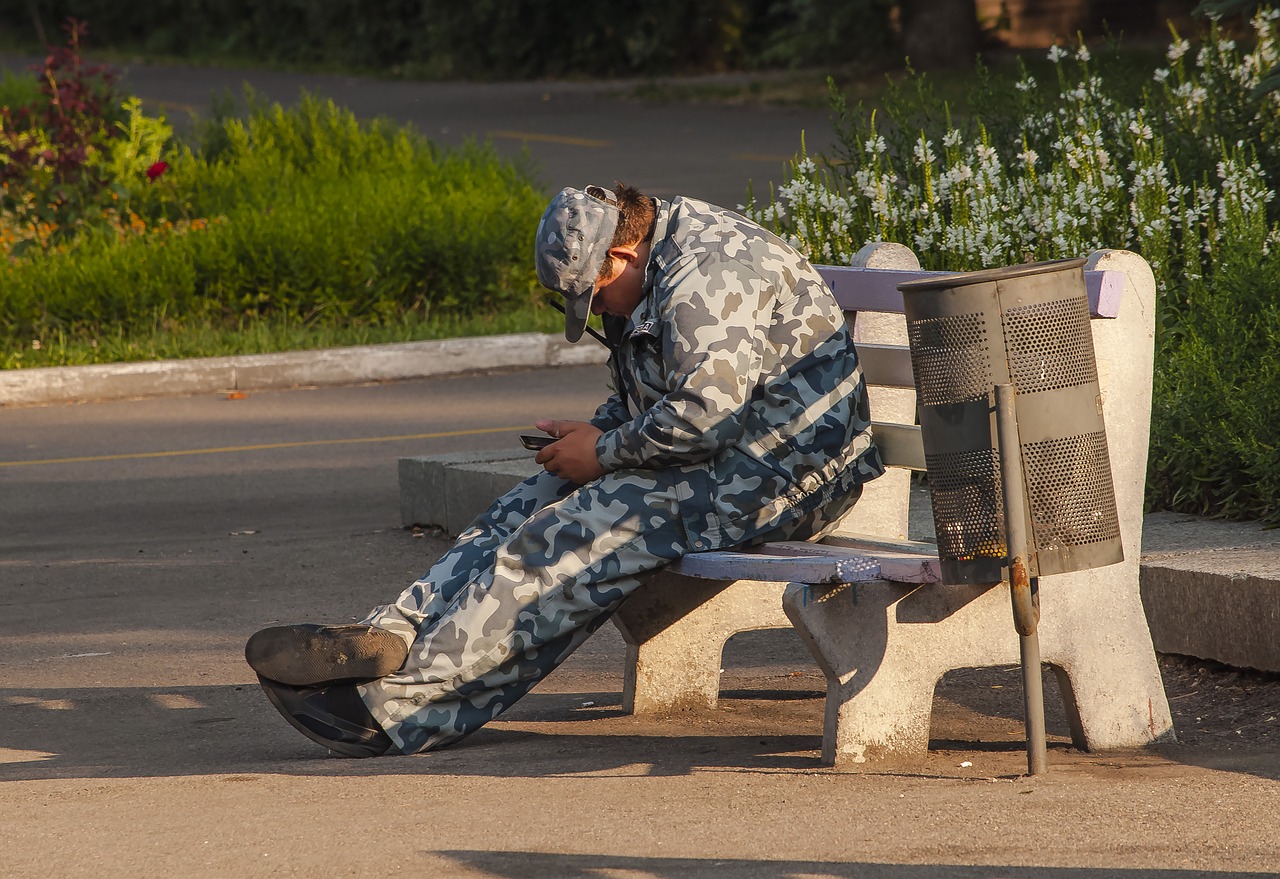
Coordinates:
135	742
1210	588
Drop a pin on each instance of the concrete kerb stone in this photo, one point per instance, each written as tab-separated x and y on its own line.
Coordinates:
330	366
1211	589
469	489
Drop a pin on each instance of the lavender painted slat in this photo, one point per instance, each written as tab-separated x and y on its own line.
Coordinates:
911	564
859	289
810	563
730	565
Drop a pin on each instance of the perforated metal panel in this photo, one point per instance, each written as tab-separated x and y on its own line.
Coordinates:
950	358
1050	345
1027	326
1071	495
967	501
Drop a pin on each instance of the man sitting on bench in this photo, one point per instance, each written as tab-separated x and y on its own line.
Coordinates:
739	415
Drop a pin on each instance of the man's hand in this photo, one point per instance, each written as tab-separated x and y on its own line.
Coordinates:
573	456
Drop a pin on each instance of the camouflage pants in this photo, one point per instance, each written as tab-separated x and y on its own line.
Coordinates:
520	590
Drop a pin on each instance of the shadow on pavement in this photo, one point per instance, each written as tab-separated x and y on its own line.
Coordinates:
215	730
531	865
179	731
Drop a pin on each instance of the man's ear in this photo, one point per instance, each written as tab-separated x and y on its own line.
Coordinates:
628	253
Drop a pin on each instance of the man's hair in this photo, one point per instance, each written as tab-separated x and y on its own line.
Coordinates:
635	222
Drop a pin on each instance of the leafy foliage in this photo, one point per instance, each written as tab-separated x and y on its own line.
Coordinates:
54	147
1181	168
286	219
304	215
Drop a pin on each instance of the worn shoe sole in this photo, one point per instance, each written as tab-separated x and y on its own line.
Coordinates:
311	655
295	707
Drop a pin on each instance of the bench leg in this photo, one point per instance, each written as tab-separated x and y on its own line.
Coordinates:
884	646
675	628
879	702
1100	720
1106	668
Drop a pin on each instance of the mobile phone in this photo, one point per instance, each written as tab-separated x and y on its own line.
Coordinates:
533	443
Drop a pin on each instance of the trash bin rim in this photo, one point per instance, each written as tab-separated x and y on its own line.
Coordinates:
987	276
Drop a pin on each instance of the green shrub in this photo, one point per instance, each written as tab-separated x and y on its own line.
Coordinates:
304	216
1216	417
1183	170
18	91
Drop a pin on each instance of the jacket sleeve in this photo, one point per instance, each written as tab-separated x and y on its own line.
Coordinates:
611	413
714	313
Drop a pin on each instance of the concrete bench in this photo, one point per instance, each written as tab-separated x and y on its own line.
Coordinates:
867	602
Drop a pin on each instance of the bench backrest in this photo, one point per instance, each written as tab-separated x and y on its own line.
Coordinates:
869	296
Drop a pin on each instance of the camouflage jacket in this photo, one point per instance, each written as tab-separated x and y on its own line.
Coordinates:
737	377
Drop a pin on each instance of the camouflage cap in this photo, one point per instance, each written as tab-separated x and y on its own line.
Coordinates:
571	245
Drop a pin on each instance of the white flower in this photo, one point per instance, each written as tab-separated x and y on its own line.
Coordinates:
951	138
1057	53
923	151
1082	54
1161	74
875	145
1025	85
1028	158
1177	49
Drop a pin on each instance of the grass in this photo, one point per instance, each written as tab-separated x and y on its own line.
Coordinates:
320	231
163	341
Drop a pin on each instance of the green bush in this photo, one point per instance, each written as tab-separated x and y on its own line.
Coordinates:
302	216
1216	417
1181	168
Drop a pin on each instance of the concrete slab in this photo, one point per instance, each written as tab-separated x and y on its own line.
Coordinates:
1211	589
470	488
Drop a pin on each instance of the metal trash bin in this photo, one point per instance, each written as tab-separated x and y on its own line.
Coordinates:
1027	326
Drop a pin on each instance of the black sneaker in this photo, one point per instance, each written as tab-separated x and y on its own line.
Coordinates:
311	655
335	717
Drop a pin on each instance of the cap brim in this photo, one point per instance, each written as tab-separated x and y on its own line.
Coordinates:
577	309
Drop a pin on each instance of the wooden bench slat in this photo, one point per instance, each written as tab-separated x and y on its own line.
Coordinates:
887	366
901	445
912	562
801	562
758	564
859	289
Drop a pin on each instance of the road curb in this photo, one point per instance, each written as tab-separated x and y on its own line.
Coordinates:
327	366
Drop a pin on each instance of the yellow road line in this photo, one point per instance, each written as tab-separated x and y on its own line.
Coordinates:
263	447
551	138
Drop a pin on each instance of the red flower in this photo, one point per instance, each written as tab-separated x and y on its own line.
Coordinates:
157	169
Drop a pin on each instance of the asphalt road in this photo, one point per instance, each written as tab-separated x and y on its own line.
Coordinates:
108	476
576	133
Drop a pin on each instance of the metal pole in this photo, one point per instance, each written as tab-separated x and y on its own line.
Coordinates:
1022	589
